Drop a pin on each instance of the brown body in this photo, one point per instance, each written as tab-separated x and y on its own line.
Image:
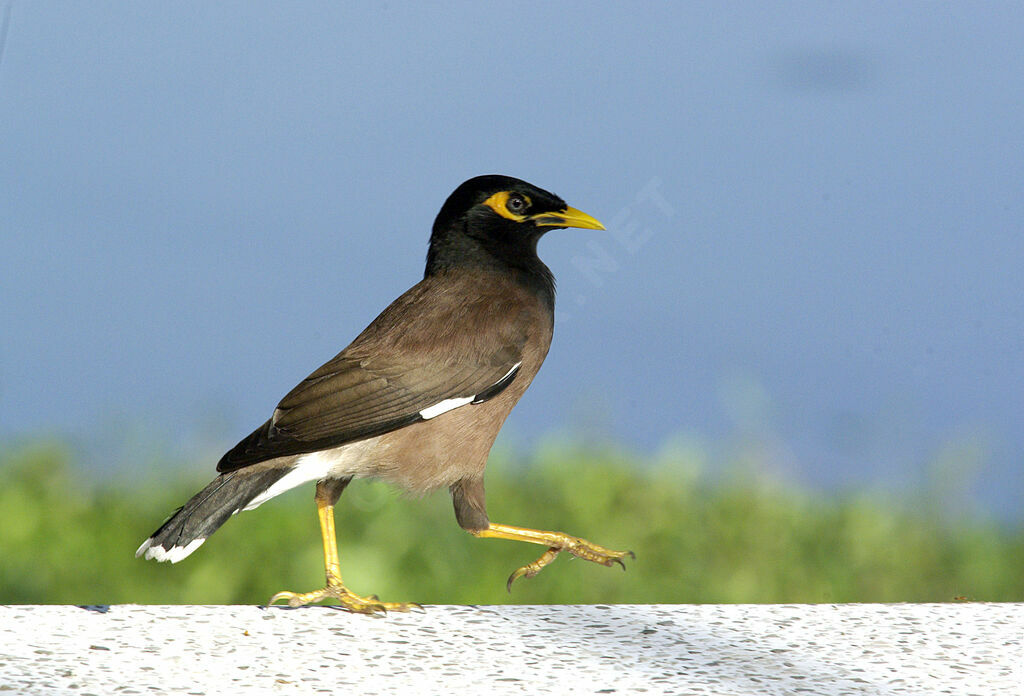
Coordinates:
473	313
418	397
453	446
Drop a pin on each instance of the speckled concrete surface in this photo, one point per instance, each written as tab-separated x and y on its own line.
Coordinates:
916	649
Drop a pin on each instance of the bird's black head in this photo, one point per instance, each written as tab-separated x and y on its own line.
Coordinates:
495	222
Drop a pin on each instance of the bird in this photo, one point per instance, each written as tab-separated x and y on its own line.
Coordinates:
418	397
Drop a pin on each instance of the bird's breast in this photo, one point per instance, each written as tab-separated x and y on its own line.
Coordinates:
454	445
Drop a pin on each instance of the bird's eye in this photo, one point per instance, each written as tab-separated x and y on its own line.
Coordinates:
516	204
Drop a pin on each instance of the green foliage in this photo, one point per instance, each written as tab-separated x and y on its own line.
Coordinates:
740	539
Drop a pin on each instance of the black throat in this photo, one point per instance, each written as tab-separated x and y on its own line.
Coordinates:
510	253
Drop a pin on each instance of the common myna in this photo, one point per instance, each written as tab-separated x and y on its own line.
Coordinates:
419	396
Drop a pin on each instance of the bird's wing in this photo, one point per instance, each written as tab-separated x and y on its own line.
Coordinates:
352	398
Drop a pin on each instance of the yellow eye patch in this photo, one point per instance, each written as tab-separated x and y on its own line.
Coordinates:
499	204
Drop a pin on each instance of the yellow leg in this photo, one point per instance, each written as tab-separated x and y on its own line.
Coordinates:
335	588
556	543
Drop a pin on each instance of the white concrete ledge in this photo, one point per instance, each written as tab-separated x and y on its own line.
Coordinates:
958	649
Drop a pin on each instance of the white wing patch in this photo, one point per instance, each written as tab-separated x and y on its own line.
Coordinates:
445	406
513	369
452	404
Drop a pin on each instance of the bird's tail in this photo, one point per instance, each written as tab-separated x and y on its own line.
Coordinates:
193	522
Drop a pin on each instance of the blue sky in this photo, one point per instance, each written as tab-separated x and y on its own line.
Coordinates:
814	216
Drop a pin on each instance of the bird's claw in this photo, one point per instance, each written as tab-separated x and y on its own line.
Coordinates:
531	569
618	559
580	548
348	600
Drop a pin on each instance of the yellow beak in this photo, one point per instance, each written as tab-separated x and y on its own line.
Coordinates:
570	217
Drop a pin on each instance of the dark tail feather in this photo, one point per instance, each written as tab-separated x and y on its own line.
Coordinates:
193	522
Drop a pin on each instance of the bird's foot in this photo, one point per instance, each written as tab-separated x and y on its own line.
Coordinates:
347	599
580	548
